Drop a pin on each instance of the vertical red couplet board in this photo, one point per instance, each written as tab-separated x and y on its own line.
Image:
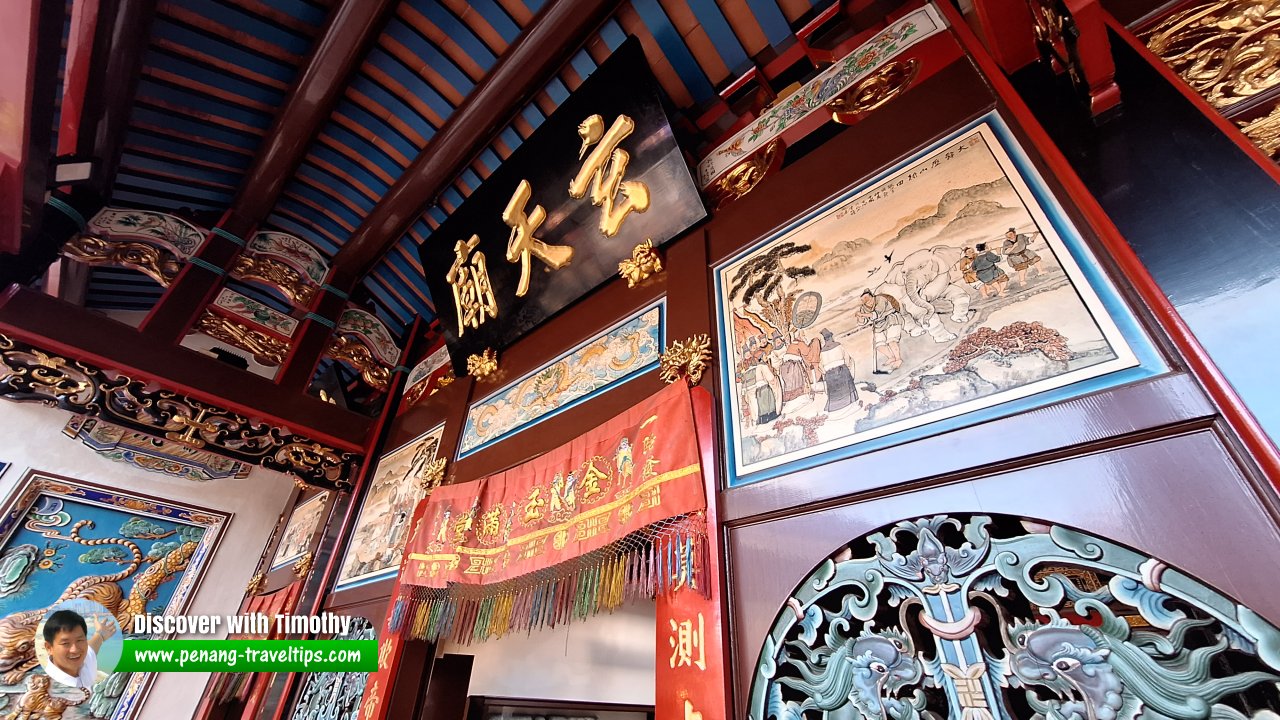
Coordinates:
692	660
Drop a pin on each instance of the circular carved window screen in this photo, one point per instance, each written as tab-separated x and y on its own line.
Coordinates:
985	618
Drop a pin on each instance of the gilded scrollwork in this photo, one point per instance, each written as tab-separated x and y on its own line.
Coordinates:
158	263
1227	50
1265	132
746	175
302	565
29	374
267	350
351	350
256	584
686	359
483	365
642	264
874	90
277	274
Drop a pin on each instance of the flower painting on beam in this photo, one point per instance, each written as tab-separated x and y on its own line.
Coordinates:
946	291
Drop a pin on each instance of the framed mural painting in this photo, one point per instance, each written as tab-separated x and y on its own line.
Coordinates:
948	290
381	529
299	531
63	540
628	349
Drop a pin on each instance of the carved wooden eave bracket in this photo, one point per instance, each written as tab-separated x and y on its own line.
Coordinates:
30	374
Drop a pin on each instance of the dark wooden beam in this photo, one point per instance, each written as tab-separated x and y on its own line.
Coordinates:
81	334
124	30
352	27
556	33
43	80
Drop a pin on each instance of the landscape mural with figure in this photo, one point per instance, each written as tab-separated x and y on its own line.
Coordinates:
71	541
377	543
937	289
302	525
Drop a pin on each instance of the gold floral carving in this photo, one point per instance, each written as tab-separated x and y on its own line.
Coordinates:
302	566
433	474
443	381
351	350
1228	50
873	91
743	177
483	365
159	263
644	262
686	359
29	374
266	349
276	274
1265	132
256	584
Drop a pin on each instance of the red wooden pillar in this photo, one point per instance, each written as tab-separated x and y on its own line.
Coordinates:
690	678
198	283
312	337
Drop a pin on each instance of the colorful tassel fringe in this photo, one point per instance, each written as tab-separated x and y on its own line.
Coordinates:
672	560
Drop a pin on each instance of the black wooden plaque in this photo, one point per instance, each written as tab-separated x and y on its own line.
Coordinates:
549	160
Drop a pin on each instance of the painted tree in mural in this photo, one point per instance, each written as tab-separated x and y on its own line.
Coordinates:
761	279
977	619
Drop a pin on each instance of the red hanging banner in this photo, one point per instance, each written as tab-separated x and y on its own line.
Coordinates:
638	469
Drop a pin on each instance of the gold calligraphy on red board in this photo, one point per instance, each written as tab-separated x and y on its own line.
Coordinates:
638	469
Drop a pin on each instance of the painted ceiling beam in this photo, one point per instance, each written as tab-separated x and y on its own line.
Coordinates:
352	27
555	34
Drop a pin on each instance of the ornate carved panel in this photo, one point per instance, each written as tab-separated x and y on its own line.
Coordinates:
276	274
267	349
358	355
293	251
255	312
335	696
29	374
975	618
119	224
152	454
1228	50
371	331
157	261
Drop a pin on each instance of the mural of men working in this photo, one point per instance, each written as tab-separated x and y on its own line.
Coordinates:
884	315
1019	255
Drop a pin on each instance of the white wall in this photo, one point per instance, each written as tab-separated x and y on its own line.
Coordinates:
31	438
606	658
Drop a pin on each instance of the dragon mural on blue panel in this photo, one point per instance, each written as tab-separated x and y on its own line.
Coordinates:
994	619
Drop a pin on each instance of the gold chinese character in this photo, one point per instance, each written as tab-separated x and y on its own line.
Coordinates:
686	644
603	170
472	293
689	712
533	507
523	243
491	524
463	525
591	478
650	468
648	444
